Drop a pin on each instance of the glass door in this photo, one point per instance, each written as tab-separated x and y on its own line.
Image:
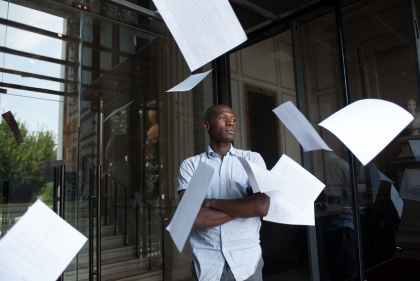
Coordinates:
383	63
39	62
262	78
371	237
39	47
132	135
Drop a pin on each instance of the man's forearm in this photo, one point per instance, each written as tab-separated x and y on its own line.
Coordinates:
209	218
253	206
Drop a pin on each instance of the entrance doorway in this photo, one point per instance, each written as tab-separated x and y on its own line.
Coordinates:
303	64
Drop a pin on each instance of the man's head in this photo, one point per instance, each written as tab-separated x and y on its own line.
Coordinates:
411	106
220	123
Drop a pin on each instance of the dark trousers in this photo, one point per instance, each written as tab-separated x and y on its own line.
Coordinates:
228	276
341	253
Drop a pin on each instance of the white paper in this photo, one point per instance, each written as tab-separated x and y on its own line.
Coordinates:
188	208
415	147
410	185
39	246
383	177
261	179
189	83
115	111
292	190
299	187
375	180
276	213
396	199
203	30
367	126
300	127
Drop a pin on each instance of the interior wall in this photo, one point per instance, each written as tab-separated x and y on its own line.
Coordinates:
267	65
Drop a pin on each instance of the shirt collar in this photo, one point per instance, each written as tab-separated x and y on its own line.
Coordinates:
210	153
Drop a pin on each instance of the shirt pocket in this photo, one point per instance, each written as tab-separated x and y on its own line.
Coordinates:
241	188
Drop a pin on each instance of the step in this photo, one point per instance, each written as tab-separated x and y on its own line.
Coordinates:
115	265
144	274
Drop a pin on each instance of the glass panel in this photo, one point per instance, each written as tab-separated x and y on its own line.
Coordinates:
139	134
323	96
262	78
381	64
26	41
38	77
41	19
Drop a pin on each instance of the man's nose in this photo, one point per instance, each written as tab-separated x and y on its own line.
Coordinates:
229	122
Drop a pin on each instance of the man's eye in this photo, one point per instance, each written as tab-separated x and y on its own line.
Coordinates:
222	118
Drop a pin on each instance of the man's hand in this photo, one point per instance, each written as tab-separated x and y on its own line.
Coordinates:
253	206
207	217
225	210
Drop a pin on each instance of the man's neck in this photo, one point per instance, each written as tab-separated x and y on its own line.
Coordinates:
220	149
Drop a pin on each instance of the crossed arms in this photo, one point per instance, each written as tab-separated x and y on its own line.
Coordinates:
225	210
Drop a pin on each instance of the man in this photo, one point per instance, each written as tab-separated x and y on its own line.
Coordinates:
225	235
338	228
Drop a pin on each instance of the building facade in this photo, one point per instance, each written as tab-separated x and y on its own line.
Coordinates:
86	84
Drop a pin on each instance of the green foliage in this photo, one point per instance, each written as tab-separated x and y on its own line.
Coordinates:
48	193
19	164
119	123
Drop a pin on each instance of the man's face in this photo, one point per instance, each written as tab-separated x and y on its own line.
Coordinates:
411	106
222	125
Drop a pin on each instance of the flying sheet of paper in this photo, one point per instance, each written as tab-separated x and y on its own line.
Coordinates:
298	188
115	111
203	30
383	177
415	147
190	82
300	127
39	246
367	126
375	180
397	201
278	214
188	208
410	185
261	179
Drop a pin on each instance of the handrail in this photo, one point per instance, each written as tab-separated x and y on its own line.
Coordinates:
132	192
91	250
136	195
98	224
59	181
5	209
92	196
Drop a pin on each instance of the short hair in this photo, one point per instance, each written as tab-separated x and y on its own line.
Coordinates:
208	115
411	100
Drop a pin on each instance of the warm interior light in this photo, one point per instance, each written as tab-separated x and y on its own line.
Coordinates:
60	35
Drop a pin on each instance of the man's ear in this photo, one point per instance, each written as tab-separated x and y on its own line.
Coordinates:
206	125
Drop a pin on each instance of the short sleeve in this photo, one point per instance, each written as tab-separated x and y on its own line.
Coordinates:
186	172
259	160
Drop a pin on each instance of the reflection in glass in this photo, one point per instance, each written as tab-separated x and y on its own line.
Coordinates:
38	77
381	64
151	170
270	65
